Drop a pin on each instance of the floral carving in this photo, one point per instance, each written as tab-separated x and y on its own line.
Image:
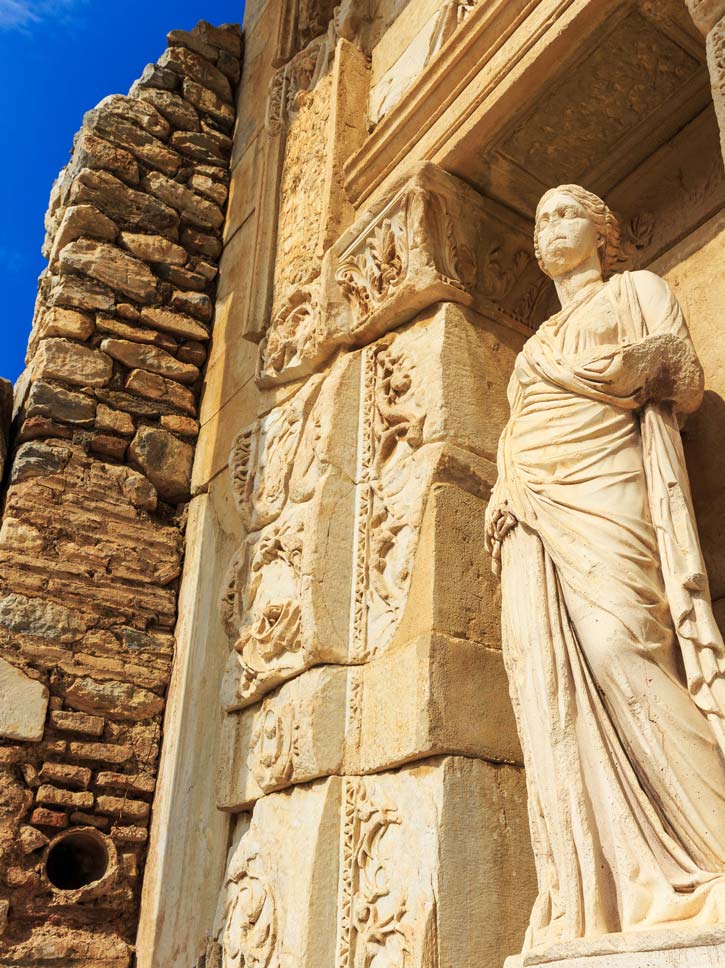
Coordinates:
250	934
373	906
420	228
393	424
261	604
290	84
273	746
368	277
293	338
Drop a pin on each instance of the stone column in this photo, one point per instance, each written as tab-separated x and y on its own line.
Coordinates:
709	16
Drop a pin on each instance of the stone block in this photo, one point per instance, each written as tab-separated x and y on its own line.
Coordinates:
194	209
149	358
130	209
174	108
60	359
155	387
23	704
55	797
63	774
73	722
423	851
67	323
176	323
79	221
280	885
293	736
110	266
165	460
209	102
153	248
188	63
113	700
47	400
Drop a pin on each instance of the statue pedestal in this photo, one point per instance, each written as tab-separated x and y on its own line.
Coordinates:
698	948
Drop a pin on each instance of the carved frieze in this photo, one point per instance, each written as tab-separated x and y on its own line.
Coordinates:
292	478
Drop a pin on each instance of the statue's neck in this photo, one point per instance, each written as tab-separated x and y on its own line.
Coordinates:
572	286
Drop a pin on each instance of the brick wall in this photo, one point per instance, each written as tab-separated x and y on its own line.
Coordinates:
92	533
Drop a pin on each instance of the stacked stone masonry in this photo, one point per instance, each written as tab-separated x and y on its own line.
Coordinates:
99	468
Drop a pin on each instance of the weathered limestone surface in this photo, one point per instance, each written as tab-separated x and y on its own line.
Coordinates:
98	476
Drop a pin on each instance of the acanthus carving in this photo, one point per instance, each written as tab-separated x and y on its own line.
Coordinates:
374	929
273	746
368	277
421	226
262	607
293	341
249	937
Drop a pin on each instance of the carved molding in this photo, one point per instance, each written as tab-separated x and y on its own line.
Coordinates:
292	82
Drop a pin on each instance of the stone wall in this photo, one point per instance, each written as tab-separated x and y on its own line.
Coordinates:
92	534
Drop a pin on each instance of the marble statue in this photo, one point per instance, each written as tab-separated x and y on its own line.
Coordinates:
614	659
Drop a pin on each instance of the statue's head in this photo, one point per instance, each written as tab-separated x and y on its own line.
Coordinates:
573	225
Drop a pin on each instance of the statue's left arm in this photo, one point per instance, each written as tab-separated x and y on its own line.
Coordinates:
665	357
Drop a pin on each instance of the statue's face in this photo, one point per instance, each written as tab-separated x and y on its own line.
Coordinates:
567	235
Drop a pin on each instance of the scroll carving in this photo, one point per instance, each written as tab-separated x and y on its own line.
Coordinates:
250	933
393	419
381	925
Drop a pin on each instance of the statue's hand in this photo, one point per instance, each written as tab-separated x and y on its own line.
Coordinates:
498	522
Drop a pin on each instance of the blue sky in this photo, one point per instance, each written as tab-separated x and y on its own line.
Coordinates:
58	58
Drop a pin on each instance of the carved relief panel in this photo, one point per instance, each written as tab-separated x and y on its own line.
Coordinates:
279	891
292	475
418	421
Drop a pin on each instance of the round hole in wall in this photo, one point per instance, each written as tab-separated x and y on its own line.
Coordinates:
75	860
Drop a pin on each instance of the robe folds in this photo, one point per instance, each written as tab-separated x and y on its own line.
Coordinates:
614	660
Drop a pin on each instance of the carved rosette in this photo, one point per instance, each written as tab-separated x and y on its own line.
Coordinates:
273	746
294	342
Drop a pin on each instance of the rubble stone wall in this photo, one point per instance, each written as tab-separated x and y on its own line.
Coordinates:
92	534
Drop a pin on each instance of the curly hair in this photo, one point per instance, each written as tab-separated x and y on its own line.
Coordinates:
602	216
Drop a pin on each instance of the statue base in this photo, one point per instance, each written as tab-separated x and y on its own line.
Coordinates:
678	948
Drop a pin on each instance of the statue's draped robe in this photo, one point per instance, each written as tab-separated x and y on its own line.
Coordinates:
613	655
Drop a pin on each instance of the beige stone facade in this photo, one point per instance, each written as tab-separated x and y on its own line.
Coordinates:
341	783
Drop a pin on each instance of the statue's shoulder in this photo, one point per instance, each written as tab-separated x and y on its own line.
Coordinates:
650	287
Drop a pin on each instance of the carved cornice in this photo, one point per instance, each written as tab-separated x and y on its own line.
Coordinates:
431	238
